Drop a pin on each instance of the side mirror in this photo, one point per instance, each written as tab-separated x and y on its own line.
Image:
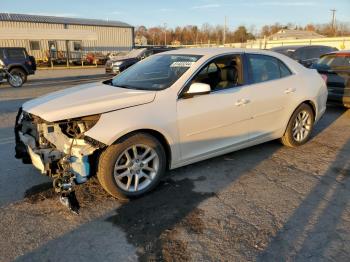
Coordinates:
197	89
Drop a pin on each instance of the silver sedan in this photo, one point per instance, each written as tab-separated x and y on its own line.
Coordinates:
167	111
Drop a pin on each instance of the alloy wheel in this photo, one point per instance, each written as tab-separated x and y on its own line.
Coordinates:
15	80
136	168
302	126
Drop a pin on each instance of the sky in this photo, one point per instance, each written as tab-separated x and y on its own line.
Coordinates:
188	12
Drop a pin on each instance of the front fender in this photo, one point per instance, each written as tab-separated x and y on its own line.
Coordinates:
114	125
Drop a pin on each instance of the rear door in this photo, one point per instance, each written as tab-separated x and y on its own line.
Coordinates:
272	91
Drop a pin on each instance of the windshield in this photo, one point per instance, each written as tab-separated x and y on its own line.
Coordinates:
156	72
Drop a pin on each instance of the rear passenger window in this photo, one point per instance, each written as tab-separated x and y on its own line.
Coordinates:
15	54
265	68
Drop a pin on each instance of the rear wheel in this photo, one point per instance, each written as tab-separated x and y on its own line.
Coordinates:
132	167
17	77
299	127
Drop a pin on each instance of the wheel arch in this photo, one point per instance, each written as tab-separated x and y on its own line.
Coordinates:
311	104
307	102
156	134
19	66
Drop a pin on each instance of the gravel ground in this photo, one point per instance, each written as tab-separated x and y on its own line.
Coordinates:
265	203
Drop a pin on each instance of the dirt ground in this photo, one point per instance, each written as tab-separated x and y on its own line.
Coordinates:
265	203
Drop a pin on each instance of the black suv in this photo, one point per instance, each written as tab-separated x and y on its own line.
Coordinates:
304	54
17	61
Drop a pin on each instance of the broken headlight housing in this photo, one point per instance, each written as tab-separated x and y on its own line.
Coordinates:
76	127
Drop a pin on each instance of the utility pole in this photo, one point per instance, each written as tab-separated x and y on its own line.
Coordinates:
224	36
165	33
333	18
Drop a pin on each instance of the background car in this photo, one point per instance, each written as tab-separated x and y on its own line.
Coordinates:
336	66
167	111
119	63
18	62
304	54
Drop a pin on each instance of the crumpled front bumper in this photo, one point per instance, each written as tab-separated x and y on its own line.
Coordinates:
58	152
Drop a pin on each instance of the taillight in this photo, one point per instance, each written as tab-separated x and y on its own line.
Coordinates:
29	63
324	77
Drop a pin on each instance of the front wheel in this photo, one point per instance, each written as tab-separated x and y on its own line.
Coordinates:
299	127
17	77
132	167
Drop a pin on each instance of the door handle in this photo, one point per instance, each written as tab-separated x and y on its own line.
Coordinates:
242	102
290	90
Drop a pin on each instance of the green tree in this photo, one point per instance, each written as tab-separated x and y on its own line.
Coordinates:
241	35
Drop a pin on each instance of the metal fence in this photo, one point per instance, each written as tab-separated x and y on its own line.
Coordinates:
342	43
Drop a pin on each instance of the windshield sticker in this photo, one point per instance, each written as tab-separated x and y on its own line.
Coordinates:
182	64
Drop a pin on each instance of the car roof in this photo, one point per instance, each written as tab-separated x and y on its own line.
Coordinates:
287	47
213	51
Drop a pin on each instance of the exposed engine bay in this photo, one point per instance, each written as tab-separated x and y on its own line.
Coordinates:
59	150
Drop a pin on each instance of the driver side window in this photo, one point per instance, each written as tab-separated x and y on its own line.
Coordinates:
221	73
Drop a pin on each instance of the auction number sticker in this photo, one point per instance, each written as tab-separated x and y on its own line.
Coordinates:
182	64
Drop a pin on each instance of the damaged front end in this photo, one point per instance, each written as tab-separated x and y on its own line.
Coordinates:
59	150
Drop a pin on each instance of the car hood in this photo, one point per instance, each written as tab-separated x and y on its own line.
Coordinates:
84	100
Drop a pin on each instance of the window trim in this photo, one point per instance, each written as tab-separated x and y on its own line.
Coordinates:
206	63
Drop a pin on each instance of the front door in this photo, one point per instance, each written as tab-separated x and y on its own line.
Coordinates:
214	122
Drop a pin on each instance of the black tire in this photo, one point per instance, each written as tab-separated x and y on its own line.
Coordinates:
288	139
110	156
18	72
